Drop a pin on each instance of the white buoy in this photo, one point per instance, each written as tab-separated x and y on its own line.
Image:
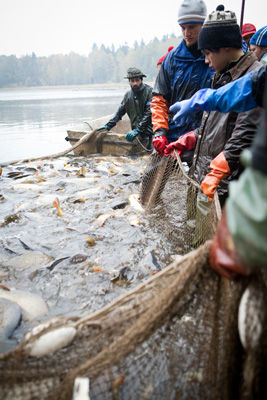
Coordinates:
81	389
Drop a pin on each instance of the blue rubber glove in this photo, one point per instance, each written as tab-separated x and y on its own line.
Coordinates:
235	96
187	107
131	135
103	128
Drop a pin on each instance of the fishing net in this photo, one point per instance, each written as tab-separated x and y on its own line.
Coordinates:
171	196
172	337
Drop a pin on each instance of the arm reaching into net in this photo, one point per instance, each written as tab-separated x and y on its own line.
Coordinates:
185	142
219	170
239	96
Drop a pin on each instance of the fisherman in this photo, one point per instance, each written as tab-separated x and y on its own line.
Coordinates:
136	103
258	44
248	31
183	72
160	61
221	137
245	213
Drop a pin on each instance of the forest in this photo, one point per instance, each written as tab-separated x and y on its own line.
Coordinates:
102	65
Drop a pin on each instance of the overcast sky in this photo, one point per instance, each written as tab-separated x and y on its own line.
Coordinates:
60	26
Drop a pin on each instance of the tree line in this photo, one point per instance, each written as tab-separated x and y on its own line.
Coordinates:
102	65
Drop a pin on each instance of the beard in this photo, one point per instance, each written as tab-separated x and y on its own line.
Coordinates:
137	89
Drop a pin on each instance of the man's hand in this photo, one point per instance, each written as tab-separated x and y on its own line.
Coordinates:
160	143
201	100
219	170
103	128
131	135
185	142
224	258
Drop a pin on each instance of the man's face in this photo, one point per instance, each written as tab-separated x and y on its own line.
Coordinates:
190	33
247	38
135	83
217	61
257	50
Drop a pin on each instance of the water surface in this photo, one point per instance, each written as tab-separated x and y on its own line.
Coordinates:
33	122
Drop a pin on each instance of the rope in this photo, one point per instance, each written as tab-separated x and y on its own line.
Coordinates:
216	197
147	150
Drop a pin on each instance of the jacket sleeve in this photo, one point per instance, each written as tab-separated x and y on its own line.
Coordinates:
259	84
159	109
117	117
243	134
146	120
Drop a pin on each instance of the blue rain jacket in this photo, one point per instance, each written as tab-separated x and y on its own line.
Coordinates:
181	75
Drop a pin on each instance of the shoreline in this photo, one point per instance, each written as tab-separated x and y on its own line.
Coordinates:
95	86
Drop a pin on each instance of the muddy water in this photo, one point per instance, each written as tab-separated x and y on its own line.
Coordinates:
95	247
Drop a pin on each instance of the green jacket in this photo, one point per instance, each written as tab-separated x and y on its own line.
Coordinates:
137	107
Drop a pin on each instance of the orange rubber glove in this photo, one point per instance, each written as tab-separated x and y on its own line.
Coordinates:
185	142
223	257
219	170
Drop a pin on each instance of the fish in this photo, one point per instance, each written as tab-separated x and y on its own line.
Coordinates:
135	203
10	316
120	205
52	341
155	261
103	217
135	181
116	385
11	218
56	262
14	174
29	260
56	205
26	247
31	304
133	220
78	258
79	201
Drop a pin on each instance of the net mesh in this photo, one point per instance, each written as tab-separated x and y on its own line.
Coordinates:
172	337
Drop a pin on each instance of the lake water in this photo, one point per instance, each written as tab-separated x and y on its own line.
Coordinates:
33	122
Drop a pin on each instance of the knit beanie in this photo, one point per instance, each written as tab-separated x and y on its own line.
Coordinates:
248	29
260	37
192	12
220	29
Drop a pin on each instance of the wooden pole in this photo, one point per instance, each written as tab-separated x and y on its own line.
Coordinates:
242	14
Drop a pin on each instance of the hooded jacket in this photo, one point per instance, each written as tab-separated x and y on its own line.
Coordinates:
137	106
182	74
231	132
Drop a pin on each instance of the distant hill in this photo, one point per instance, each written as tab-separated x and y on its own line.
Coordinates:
103	65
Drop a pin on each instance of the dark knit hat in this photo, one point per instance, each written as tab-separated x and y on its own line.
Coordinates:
133	72
220	29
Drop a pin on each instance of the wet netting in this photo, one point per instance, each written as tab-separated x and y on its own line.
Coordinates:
175	203
173	337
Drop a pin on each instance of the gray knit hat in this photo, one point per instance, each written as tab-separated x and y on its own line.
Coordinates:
220	30
192	12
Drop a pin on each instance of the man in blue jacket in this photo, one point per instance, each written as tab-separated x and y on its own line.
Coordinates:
183	72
